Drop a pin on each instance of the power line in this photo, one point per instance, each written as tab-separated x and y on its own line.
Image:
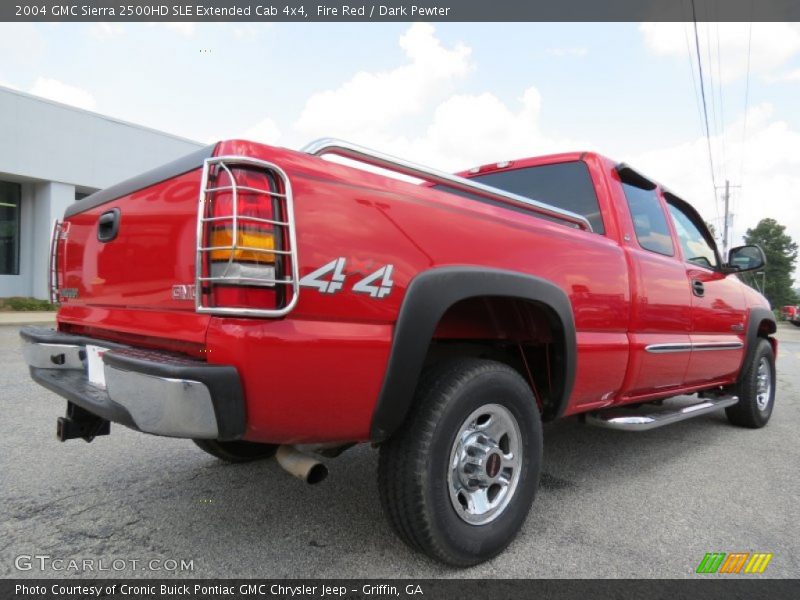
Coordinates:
690	56
746	100
721	108
694	79
710	75
703	96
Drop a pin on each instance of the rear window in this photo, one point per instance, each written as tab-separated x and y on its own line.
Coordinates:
565	185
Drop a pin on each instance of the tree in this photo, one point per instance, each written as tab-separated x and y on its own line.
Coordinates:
781	252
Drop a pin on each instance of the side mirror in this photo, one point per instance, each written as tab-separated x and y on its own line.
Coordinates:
745	258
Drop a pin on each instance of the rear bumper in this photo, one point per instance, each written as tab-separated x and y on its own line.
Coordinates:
150	391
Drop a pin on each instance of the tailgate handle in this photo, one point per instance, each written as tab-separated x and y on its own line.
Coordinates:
108	225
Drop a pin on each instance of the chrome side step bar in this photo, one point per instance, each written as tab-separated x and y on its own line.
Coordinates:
630	420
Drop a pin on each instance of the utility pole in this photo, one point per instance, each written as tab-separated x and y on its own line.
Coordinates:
725	226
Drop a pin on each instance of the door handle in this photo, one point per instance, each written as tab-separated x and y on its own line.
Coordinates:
108	225
697	288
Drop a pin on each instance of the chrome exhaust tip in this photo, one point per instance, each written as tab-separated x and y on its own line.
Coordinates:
301	465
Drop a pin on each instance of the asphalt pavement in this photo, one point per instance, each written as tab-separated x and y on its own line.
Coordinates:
611	504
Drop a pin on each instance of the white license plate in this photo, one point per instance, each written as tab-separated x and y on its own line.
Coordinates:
97	372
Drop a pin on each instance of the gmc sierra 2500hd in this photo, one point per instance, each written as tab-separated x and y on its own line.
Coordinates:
256	299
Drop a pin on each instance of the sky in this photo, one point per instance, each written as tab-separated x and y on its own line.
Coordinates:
456	95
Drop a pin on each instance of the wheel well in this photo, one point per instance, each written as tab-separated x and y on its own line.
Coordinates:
484	306
524	334
765	329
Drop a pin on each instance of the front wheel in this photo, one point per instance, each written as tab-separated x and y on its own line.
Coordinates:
756	389
458	479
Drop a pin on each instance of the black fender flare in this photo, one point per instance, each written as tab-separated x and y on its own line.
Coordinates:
756	317
429	295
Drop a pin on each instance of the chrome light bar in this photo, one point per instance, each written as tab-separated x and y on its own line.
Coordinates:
399	165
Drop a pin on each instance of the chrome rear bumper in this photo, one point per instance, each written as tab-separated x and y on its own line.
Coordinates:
151	391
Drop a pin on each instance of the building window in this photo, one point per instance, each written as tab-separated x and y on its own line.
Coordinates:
9	228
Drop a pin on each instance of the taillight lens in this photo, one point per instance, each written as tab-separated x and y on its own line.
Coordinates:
249	237
251	245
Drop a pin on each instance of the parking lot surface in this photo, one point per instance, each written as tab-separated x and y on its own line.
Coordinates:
611	504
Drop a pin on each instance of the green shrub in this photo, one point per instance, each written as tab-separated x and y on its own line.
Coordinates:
18	303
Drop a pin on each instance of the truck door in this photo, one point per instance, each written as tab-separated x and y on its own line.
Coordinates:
718	302
661	301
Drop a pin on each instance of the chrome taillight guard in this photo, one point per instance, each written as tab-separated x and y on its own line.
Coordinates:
205	282
52	271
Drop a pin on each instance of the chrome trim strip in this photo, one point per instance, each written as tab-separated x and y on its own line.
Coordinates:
385	161
666	348
692	346
164	406
615	419
701	346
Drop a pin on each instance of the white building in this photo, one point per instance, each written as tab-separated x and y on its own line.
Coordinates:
51	155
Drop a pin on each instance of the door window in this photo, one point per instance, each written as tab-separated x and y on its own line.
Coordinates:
695	246
649	221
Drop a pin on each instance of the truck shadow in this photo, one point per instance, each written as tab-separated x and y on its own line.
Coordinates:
338	526
164	497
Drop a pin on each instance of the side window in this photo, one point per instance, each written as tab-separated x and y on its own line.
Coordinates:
649	220
696	248
565	185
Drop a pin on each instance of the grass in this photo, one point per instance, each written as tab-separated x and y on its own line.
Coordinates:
18	303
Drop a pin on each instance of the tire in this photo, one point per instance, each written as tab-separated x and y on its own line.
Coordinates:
796	323
236	452
419	490
755	402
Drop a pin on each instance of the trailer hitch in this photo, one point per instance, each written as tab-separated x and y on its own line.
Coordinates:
80	423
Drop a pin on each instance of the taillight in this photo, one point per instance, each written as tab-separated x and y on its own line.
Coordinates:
245	254
257	240
243	239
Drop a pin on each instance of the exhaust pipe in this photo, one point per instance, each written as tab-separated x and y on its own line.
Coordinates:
301	465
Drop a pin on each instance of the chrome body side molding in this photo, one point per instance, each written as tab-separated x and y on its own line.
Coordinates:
692	347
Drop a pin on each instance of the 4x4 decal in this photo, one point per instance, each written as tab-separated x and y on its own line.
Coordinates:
330	278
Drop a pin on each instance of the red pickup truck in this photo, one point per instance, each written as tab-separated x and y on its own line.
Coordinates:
263	301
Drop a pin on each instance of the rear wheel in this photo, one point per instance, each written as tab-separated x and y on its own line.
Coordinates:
236	452
756	389
458	479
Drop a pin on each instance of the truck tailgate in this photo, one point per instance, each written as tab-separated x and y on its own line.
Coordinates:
126	265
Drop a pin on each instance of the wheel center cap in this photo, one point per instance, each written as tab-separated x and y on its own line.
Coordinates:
493	465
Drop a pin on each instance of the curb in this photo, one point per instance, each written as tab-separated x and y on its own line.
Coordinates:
24	318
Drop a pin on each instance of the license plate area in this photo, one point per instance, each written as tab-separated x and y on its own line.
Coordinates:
96	369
